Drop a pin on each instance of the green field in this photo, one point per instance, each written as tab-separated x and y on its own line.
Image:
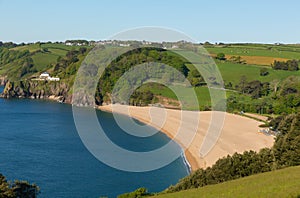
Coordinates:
289	52
232	72
202	94
281	183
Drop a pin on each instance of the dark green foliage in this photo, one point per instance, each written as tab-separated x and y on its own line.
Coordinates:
27	67
23	189
259	97
63	63
287	146
19	189
8	44
5	190
290	65
141	98
141	192
228	168
255	89
135	57
7	56
195	78
264	72
237	59
220	56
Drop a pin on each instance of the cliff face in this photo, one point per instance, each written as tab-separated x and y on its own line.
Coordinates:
58	91
3	80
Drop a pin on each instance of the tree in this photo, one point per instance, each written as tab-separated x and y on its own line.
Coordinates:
290	65
242	84
221	56
136	194
264	72
5	190
237	59
23	189
19	189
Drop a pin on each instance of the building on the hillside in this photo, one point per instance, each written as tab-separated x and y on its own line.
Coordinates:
53	79
46	76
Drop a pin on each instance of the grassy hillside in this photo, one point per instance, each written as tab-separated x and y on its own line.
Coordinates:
232	72
281	183
286	51
41	57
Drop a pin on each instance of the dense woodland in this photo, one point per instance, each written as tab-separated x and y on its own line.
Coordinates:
136	57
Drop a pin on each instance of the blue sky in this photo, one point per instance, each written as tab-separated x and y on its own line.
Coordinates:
261	21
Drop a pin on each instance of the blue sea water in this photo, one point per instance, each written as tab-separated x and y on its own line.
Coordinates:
39	143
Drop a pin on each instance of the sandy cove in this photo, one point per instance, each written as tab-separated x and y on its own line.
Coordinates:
238	134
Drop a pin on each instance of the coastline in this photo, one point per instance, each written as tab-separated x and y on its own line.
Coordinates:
233	138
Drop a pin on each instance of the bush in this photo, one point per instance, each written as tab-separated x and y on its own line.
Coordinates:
221	56
264	72
136	194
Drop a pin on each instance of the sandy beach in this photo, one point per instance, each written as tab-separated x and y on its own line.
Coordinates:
237	134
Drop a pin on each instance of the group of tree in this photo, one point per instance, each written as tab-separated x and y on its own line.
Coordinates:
8	56
8	44
65	64
234	59
141	192
27	67
237	60
290	65
140	56
141	98
255	89
17	189
275	97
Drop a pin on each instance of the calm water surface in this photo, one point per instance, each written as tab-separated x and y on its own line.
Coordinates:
39	143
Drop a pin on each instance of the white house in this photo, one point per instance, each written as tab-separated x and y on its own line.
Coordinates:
46	76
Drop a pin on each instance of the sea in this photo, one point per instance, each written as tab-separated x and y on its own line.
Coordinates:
39	143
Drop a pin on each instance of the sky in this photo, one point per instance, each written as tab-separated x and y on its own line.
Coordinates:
255	21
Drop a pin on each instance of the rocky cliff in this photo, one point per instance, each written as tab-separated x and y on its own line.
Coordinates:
3	80
58	91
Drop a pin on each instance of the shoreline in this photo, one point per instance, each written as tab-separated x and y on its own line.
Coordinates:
225	145
250	139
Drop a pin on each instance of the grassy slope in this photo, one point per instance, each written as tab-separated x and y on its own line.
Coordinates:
263	50
43	61
282	183
232	72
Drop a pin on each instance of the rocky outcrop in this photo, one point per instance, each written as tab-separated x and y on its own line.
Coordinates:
58	91
3	80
